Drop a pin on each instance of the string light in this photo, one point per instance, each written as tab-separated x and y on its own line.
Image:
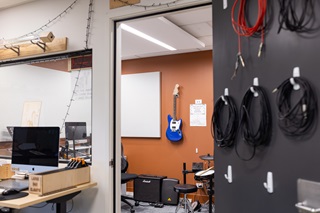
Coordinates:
88	27
151	5
48	24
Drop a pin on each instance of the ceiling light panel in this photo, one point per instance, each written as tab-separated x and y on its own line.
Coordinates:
133	45
167	32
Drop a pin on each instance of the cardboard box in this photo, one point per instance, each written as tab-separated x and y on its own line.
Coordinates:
5	171
50	182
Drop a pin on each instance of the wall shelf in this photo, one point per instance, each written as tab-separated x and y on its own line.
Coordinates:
31	49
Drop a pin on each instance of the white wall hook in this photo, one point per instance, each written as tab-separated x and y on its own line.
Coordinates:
269	184
225	4
226	93
296	73
228	176
255	83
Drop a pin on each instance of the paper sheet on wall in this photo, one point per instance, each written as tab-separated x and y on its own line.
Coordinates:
83	81
31	113
198	114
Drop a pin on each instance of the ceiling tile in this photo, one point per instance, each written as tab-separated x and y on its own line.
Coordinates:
191	16
199	29
187	31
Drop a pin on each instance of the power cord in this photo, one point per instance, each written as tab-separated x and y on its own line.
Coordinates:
289	19
296	119
252	137
224	137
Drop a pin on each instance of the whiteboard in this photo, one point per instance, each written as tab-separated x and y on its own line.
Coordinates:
140	105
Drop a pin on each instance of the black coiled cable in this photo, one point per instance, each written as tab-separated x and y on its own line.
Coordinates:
289	18
224	137
296	119
252	135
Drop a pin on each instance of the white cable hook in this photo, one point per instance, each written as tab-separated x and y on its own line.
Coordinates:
228	176
255	83
296	73
269	184
226	93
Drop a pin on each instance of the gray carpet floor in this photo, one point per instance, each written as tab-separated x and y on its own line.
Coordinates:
147	208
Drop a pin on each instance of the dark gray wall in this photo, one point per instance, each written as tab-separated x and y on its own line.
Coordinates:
288	159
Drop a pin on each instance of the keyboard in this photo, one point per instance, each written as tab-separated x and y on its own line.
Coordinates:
16	184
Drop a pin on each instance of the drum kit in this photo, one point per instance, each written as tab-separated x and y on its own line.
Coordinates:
206	176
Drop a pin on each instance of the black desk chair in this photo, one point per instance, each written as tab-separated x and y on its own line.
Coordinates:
126	177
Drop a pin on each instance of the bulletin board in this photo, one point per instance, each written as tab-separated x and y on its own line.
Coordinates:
140	105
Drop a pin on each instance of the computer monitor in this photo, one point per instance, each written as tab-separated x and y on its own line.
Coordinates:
35	149
76	130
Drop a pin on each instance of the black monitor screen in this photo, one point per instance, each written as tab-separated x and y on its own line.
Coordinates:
36	146
76	130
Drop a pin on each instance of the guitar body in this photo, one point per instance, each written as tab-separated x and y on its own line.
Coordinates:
174	132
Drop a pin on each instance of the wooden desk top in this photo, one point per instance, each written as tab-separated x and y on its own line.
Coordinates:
33	199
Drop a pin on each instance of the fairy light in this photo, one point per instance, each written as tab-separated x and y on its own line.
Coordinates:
50	22
168	4
88	27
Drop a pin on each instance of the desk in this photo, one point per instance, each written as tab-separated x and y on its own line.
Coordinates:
33	199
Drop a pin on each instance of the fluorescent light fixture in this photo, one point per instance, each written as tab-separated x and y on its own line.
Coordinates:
145	36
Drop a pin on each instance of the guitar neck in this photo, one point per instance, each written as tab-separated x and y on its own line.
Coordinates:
174	117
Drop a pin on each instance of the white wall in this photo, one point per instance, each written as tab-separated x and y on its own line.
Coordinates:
25	83
20	20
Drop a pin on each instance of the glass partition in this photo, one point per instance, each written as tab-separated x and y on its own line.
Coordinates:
47	91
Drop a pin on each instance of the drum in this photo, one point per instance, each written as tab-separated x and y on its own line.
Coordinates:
204	175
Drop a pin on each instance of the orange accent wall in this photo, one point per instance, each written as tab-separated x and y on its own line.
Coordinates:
194	73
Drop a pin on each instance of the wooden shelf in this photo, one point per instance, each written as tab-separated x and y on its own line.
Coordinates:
57	45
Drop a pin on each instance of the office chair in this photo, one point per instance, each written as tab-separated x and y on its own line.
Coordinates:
126	177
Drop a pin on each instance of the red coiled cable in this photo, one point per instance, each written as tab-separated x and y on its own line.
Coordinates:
240	25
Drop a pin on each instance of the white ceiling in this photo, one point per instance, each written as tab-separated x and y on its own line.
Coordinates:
187	31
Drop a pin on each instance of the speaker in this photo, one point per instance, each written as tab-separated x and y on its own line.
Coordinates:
147	188
168	195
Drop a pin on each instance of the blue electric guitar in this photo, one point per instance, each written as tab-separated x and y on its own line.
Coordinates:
174	132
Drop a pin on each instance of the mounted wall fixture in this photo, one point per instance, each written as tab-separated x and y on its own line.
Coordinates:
228	176
269	184
32	45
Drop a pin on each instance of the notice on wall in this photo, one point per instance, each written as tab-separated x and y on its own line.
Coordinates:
31	113
198	114
81	82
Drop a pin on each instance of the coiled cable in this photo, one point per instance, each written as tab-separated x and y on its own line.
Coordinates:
240	24
224	137
252	136
289	19
296	119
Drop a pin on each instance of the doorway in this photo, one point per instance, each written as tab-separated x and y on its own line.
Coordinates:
142	153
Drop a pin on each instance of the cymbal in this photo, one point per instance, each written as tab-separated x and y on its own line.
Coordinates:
206	157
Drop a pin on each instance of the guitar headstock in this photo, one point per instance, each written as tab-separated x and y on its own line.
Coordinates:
176	90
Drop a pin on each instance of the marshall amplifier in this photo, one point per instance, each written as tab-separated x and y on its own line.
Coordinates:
147	188
168	195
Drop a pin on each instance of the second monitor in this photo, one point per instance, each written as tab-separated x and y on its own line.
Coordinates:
75	131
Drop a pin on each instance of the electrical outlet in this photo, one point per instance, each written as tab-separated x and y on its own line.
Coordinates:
199	185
